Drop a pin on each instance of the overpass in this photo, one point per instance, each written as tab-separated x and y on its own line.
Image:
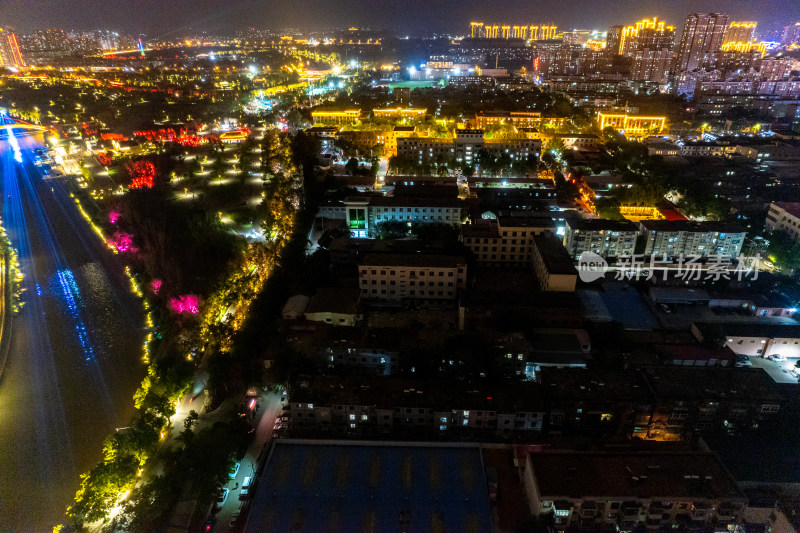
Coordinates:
8	123
22	126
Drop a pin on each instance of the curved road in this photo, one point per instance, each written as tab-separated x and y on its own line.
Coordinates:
75	353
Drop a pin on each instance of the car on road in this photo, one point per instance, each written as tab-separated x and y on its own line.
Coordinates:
223	497
234	519
778	358
234	470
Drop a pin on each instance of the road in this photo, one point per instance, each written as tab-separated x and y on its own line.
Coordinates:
75	354
269	409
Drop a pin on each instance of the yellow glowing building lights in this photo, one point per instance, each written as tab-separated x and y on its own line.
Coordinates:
632	124
633	31
401	112
475	29
595	44
740	32
745	47
507	31
336	117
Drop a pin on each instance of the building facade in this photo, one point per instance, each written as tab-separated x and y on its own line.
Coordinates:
673	238
607	238
784	216
626	492
505	241
10	55
419	277
703	34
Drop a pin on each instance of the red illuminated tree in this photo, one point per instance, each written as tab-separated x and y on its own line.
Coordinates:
143	174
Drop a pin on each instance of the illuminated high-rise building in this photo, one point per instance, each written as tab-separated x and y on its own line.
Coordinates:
791	34
476	29
646	34
10	56
613	38
742	32
702	35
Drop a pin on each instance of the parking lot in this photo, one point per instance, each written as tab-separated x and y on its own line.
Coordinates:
781	372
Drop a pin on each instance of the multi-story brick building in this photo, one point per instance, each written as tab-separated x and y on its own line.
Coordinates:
363	213
406	277
629	491
607	238
465	146
380	406
672	238
784	216
552	264
505	240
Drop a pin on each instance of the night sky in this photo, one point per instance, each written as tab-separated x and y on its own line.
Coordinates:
163	18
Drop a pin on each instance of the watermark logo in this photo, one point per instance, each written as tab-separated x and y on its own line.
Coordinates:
591	267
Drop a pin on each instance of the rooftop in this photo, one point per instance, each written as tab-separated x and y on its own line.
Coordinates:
334	300
440	395
739	329
793	208
632	475
371	486
554	254
690	225
707	383
601	224
414	260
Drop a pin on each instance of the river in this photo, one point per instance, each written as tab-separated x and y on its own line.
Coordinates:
75	356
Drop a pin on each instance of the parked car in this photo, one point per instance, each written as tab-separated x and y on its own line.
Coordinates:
223	497
778	358
742	361
234	470
234	519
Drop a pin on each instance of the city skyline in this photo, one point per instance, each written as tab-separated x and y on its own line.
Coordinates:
158	20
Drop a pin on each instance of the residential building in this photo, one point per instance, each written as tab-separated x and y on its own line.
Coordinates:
708	398
505	241
784	216
393	406
707	149
652	65
629	491
607	238
465	146
411	277
552	264
744	32
761	340
673	238
703	33
791	34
